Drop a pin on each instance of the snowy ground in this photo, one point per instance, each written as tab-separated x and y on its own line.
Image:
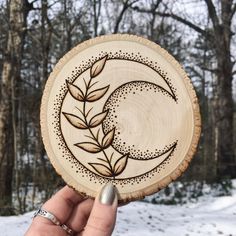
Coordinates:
215	217
209	216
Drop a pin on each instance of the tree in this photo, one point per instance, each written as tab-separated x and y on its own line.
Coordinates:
220	37
18	11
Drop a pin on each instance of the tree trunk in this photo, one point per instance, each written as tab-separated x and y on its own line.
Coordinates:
222	36
224	117
10	73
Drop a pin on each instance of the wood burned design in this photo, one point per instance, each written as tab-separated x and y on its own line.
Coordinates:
102	129
105	166
119	109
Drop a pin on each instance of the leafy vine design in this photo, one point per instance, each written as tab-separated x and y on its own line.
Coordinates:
107	167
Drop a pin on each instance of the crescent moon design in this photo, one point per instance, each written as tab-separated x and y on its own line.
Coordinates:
119	109
129	121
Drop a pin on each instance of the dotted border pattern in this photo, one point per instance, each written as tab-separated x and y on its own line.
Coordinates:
58	103
121	93
189	87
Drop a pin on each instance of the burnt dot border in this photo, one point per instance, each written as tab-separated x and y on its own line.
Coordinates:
58	100
109	123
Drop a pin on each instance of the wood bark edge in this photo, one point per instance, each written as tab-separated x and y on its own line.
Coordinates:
189	87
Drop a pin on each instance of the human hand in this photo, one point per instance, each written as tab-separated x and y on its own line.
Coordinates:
86	217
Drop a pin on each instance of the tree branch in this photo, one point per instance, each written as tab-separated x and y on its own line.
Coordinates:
212	13
175	17
197	74
233	11
184	21
126	5
208	69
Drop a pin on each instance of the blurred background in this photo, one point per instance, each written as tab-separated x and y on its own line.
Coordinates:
35	34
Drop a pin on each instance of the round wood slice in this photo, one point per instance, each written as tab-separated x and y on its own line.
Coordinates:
119	109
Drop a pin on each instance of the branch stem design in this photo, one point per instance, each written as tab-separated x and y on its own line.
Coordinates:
91	132
107	168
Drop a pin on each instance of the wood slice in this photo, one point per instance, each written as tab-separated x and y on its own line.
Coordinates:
119	109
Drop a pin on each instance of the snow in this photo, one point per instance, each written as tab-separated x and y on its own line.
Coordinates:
15	225
215	217
208	216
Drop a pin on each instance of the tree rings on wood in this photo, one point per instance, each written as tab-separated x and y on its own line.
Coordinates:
119	109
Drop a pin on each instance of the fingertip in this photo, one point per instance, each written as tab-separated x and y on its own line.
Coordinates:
103	216
108	195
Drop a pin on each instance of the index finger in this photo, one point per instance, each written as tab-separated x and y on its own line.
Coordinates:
62	203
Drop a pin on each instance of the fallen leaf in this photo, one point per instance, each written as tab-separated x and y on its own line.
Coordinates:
120	164
108	138
97	119
89	147
75	91
75	121
97	67
97	94
101	169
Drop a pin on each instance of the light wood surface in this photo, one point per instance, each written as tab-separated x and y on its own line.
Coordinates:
119	108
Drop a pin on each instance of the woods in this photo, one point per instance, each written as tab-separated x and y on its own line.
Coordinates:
36	34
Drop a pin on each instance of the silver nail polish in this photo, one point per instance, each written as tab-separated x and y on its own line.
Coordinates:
108	194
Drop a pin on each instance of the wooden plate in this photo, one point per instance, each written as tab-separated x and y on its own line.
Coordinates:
119	108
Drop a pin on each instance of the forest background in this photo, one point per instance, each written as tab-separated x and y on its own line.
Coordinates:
35	34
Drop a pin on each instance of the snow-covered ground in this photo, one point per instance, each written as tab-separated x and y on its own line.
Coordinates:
209	216
214	217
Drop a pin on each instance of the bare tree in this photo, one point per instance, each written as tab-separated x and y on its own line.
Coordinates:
18	11
220	37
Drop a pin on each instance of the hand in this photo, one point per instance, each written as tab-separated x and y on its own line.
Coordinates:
86	217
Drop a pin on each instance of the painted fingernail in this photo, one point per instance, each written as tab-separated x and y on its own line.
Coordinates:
108	194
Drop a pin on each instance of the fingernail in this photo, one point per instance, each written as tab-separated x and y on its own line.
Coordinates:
108	194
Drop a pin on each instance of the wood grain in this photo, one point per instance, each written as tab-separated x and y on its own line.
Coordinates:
119	109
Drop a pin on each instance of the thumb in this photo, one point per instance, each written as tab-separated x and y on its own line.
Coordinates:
102	219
